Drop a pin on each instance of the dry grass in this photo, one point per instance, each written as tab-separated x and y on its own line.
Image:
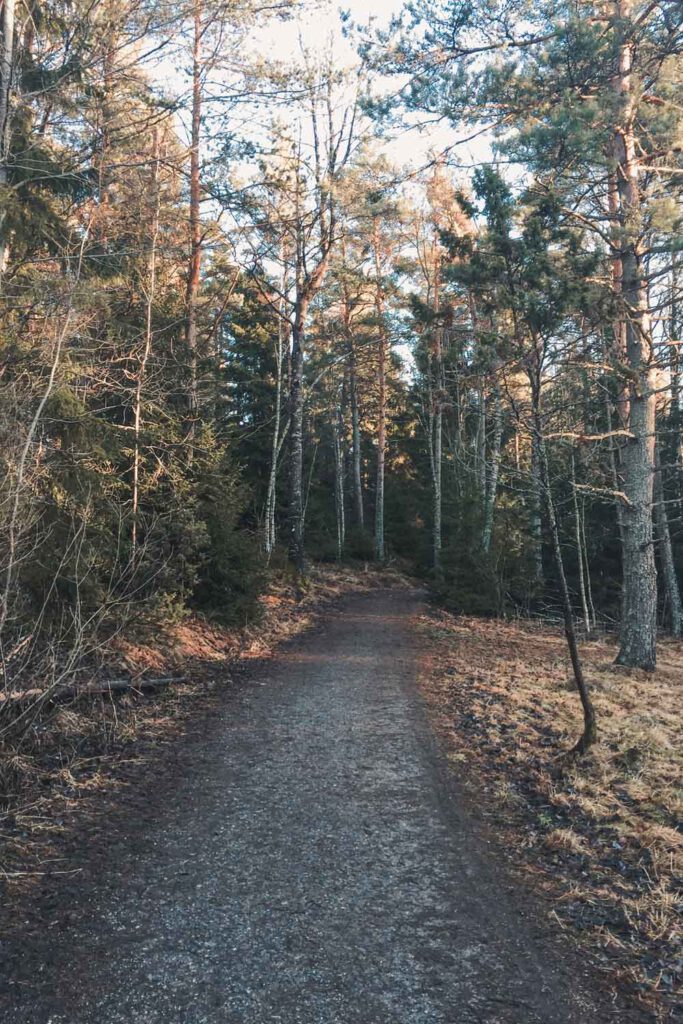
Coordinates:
604	830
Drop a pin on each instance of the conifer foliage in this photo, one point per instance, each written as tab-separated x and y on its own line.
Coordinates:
236	331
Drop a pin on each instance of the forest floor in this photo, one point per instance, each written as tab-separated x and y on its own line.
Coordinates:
302	855
601	836
518	849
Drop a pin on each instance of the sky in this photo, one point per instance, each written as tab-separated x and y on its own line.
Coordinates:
314	28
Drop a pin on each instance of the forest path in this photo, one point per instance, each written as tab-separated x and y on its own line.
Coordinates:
307	864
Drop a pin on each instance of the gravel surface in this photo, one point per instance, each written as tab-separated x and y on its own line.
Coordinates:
307	862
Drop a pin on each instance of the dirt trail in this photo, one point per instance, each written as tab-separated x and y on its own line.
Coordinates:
305	863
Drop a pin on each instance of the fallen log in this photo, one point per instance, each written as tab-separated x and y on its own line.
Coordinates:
75	692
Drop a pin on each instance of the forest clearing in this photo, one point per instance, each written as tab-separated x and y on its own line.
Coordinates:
341	511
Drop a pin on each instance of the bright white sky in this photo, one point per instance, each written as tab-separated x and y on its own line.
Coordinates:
318	21
317	24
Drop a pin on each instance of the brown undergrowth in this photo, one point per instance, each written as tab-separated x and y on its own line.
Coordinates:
57	770
602	835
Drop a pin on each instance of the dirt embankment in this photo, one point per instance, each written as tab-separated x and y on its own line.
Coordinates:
602	835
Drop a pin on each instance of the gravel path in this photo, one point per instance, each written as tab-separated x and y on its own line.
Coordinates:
307	866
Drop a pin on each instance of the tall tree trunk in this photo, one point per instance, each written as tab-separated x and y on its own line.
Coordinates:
195	263
147	349
438	489
355	437
356	454
480	446
675	344
613	464
337	437
494	468
638	646
6	76
579	552
271	497
296	462
439	395
381	448
587	566
381	399
535	511
673	594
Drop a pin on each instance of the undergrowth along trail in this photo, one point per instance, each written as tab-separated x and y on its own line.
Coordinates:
600	835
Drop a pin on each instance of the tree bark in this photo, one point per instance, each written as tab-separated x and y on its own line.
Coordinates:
381	449
638	639
355	437
337	437
671	588
195	263
535	521
494	468
381	400
147	349
579	552
296	413
6	76
439	395
356	454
